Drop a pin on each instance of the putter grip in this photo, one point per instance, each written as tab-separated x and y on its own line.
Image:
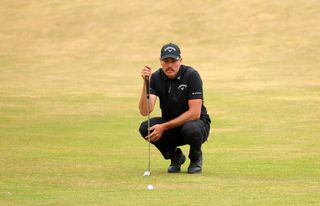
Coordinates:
147	86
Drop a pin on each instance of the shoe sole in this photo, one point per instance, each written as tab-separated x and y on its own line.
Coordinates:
199	170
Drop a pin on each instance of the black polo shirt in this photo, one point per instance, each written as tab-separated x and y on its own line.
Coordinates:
174	94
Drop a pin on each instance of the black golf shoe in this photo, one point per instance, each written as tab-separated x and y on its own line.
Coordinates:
177	160
195	166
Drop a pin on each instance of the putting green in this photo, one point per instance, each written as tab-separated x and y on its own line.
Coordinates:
70	84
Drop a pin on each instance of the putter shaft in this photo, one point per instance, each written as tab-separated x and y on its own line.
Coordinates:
148	110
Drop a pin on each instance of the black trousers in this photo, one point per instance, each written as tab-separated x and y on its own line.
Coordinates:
192	133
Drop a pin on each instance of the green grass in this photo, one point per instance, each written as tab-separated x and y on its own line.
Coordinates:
70	85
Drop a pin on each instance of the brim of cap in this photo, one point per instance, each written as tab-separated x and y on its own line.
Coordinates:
170	56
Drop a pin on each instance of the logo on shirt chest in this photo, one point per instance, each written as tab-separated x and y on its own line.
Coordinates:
182	87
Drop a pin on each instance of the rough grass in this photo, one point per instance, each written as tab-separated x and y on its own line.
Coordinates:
69	89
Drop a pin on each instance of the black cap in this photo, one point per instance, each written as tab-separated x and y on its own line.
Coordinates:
170	51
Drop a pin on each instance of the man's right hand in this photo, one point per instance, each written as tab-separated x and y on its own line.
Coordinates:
146	72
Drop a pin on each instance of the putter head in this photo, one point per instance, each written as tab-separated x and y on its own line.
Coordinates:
147	173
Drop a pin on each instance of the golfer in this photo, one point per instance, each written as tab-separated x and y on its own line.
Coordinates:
184	119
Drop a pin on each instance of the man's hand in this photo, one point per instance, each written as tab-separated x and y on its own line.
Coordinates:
157	132
146	72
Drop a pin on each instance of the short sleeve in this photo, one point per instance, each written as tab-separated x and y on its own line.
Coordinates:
195	86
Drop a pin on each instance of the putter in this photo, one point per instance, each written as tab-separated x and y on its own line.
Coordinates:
148	171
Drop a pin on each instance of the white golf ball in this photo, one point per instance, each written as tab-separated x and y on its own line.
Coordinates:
150	187
146	173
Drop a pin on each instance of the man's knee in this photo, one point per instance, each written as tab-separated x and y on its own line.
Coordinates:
143	129
192	132
191	128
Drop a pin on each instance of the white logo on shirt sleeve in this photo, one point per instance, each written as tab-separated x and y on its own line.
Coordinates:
196	93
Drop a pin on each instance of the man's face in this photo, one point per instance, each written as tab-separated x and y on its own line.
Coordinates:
170	67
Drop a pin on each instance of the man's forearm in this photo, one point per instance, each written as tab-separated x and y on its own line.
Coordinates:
143	102
180	120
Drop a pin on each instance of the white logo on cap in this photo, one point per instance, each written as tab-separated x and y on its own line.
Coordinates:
170	48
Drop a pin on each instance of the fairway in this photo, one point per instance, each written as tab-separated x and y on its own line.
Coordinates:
70	86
